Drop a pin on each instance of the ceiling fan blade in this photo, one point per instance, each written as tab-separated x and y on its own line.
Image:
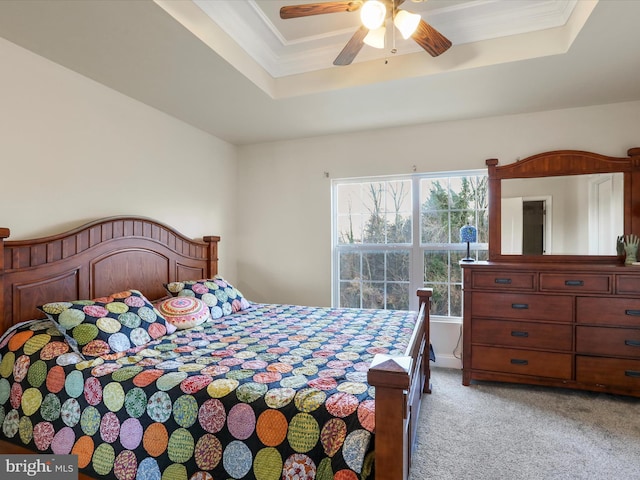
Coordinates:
308	9
430	39
352	47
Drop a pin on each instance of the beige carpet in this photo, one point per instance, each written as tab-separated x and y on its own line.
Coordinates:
514	432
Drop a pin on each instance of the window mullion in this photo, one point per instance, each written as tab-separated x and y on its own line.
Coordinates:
417	256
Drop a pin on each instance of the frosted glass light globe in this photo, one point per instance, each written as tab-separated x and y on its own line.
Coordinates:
373	14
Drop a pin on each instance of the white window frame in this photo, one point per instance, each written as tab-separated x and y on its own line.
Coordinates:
416	248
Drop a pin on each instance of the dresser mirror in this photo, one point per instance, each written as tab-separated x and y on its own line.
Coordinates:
562	206
563	215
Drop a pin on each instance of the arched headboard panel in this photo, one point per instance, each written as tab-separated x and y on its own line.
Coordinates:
97	259
133	267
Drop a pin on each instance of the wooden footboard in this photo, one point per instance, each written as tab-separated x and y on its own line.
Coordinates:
400	383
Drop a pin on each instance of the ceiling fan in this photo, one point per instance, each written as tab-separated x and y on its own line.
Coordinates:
372	31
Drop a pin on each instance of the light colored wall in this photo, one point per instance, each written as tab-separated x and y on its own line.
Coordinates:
285	200
73	150
562	191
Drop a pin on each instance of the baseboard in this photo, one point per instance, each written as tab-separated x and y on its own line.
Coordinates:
447	361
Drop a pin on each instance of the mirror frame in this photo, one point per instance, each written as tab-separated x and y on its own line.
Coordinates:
558	163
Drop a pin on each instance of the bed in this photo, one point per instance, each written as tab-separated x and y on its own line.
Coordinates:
263	391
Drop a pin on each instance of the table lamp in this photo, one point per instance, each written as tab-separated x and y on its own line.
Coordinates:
469	234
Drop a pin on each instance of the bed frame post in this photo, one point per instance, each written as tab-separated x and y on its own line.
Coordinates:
4	233
212	254
400	382
390	376
424	296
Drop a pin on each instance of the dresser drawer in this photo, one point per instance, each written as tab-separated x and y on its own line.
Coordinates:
578	282
522	334
628	284
608	311
556	308
504	280
524	362
608	341
609	372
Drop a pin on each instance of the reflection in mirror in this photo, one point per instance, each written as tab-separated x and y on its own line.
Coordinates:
565	215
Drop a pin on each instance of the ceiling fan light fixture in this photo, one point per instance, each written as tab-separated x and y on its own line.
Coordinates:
375	38
406	22
372	14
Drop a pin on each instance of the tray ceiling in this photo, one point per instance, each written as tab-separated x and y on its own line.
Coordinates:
294	56
236	70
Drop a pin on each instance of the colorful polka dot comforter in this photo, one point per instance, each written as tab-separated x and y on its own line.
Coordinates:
272	392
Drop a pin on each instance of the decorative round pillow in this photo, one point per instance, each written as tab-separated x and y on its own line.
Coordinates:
184	312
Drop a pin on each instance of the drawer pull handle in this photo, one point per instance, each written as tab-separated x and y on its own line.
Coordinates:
632	343
632	373
503	281
635	313
515	333
574	283
520	306
518	361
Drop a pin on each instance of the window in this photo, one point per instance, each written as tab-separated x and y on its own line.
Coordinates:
393	235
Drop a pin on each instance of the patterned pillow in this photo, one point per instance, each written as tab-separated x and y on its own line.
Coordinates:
221	297
184	312
108	325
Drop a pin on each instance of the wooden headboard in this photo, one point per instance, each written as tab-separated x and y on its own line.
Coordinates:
97	259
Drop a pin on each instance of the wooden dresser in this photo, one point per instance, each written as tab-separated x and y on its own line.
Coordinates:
567	325
568	315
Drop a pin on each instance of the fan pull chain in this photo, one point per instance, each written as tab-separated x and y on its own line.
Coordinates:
393	27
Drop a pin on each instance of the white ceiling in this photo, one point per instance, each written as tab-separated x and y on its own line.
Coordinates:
300	45
238	71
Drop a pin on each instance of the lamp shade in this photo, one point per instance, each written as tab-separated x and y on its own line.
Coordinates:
373	14
375	38
406	22
468	233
